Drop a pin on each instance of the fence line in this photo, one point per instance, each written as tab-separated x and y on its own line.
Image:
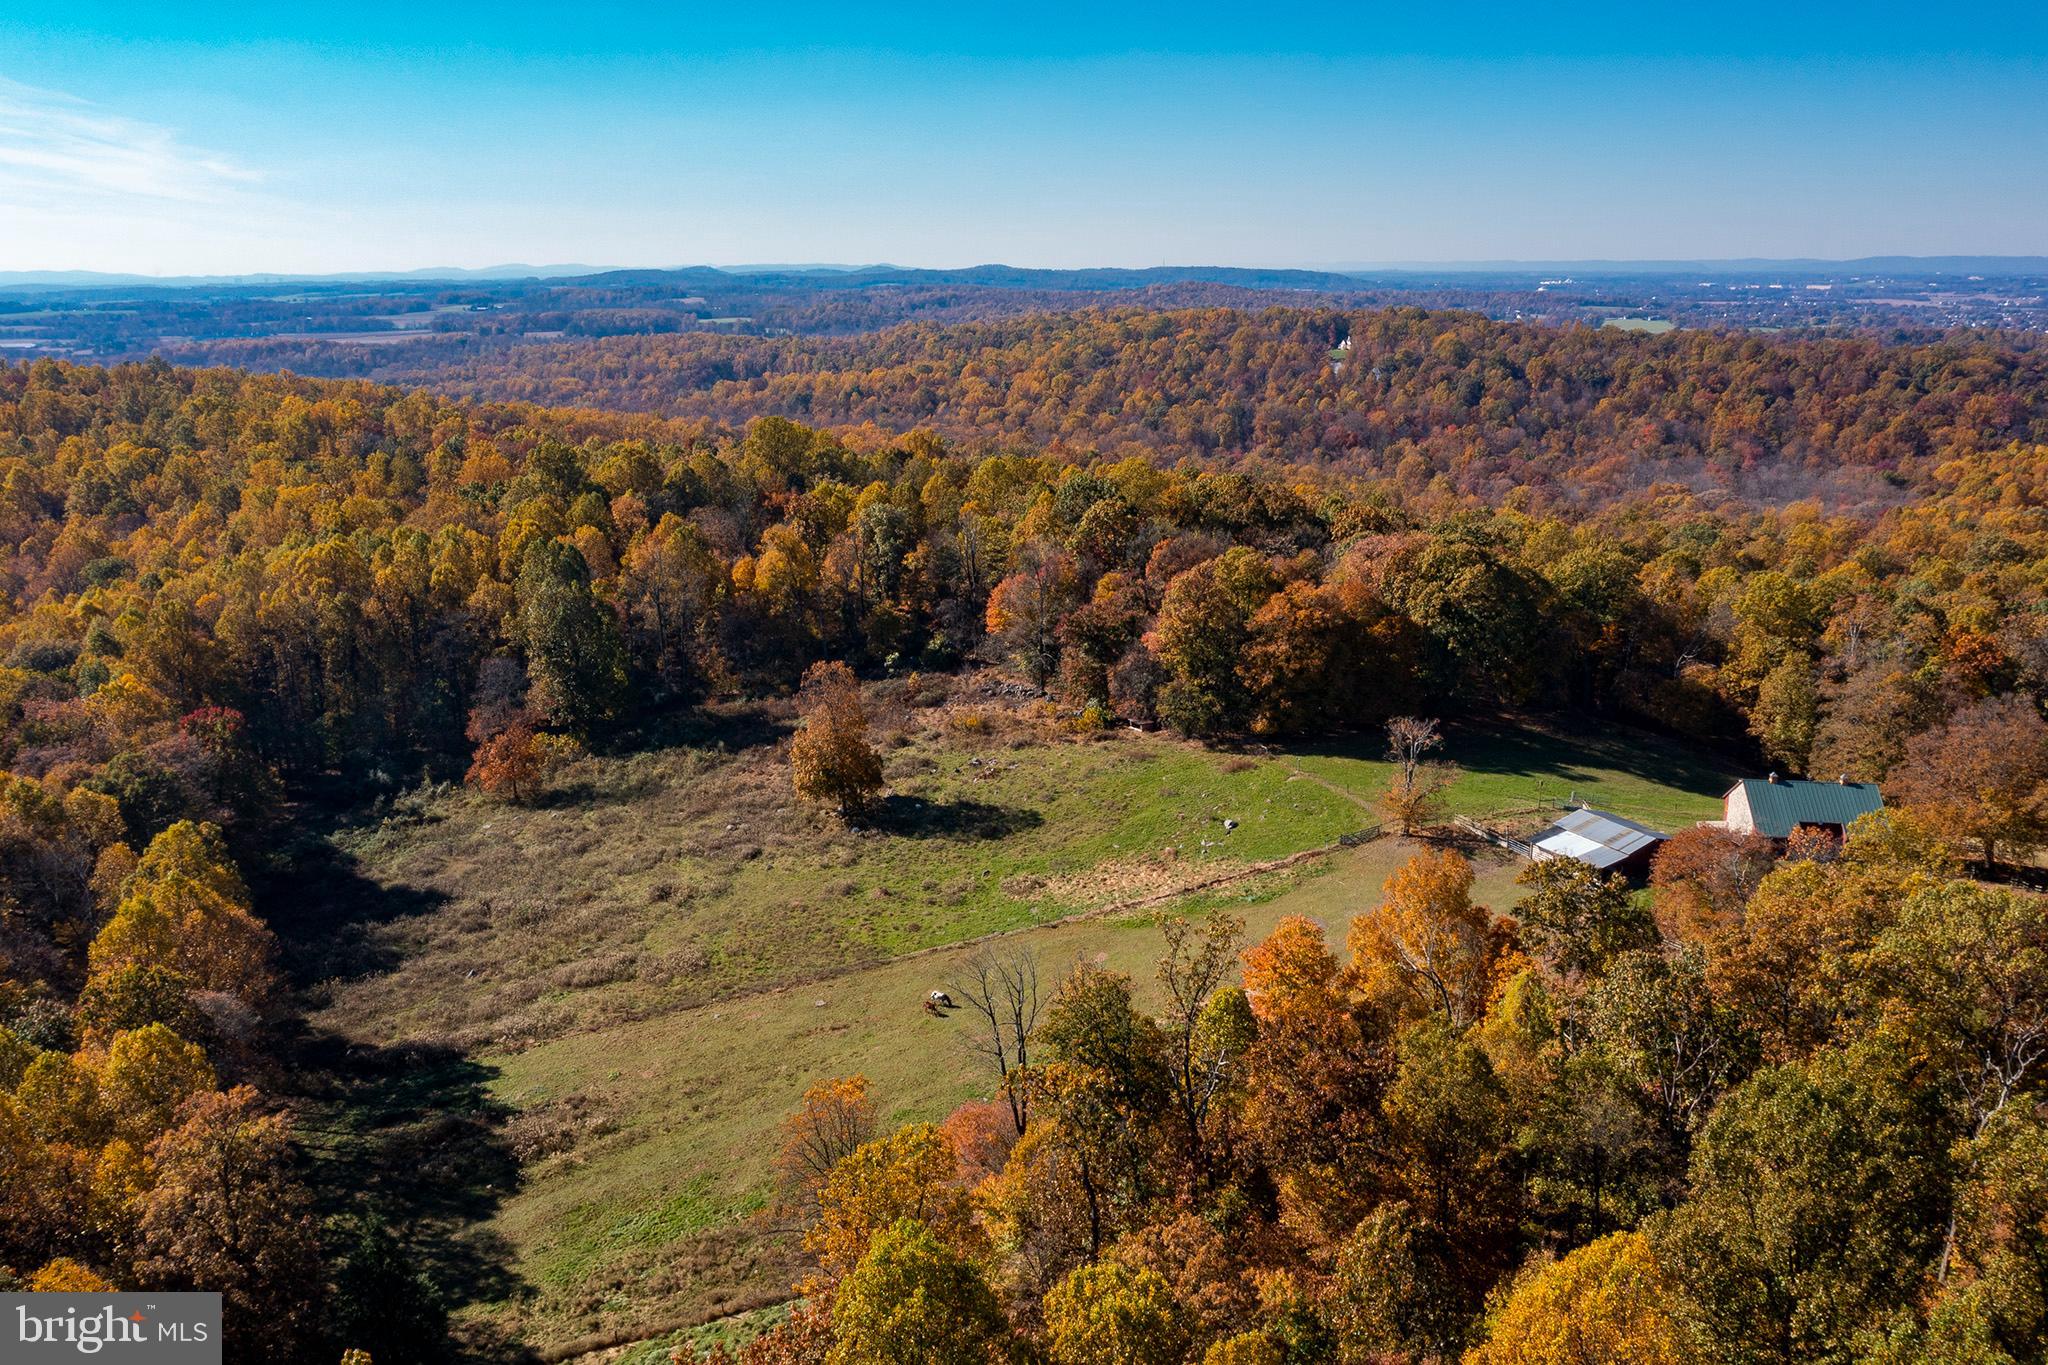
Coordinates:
1495	836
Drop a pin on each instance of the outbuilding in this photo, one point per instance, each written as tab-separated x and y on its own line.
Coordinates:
1600	839
1776	807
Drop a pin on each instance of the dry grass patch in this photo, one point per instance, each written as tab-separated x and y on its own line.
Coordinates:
669	879
1137	879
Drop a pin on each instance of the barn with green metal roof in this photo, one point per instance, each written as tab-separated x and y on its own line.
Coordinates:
1776	806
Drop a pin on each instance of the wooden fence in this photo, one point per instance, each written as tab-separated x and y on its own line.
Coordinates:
1496	836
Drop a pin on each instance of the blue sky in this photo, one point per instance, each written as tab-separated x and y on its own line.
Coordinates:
180	138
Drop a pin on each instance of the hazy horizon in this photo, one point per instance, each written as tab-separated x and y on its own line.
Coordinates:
510	270
222	140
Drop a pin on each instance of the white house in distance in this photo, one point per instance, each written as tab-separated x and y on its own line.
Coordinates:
1776	806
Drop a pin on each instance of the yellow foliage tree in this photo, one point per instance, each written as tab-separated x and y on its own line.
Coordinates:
66	1276
121	1176
1425	947
196	852
15	1056
913	1300
148	1073
26	1188
1601	1305
1246	1348
61	1102
187	910
912	1173
1110	1313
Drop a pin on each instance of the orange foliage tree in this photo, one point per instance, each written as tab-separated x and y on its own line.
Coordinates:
1982	778
830	759
836	1117
1703	876
1426	947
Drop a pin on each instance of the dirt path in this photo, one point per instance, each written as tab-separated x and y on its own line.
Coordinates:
1297	775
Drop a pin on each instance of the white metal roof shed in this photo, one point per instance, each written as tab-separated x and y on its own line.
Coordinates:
1597	838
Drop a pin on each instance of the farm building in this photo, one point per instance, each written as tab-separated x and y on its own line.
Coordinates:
1775	806
1599	839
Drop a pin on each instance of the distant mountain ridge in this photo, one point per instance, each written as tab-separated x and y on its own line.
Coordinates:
1946	265
94	279
1106	278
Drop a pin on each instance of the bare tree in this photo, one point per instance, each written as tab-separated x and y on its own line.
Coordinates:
1415	797
1001	988
1199	961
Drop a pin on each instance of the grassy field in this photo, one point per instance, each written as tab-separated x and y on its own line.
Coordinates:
1650	326
676	877
657	1222
635	982
1506	767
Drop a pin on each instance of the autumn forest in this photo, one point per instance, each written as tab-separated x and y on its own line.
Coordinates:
1771	1100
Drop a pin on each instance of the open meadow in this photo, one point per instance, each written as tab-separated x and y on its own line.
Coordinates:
675	877
1504	767
644	973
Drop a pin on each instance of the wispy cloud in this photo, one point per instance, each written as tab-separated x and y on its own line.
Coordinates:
61	151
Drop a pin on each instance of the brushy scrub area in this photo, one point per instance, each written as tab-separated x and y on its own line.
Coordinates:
675	877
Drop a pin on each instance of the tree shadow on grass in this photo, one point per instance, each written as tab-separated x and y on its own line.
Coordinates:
1587	756
406	1136
325	912
725	730
914	817
1562	756
410	1136
583	795
727	727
